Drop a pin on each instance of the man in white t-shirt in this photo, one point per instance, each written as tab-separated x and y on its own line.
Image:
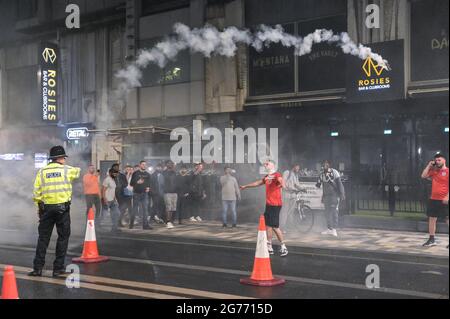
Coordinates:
109	198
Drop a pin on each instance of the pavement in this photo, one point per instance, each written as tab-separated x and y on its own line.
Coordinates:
408	243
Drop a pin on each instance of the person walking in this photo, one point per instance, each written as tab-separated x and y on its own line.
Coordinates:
53	196
333	195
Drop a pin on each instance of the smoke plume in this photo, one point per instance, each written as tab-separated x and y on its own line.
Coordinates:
208	41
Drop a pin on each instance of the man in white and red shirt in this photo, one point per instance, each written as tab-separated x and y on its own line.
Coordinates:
274	184
437	172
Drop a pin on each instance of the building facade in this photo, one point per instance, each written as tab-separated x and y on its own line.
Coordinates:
379	130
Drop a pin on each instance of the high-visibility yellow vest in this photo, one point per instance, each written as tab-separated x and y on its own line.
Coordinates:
53	184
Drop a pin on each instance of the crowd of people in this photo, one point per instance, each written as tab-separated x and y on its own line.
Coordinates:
161	195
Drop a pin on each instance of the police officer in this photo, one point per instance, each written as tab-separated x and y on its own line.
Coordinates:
53	195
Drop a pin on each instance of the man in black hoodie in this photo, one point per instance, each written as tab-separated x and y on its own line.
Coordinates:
140	181
183	183
197	193
170	189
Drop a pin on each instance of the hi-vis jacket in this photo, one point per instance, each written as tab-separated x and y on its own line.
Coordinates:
53	184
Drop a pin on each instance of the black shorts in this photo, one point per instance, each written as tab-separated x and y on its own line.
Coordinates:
436	208
272	216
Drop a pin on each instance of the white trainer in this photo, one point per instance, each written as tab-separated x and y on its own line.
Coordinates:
192	219
334	233
170	225
326	232
198	219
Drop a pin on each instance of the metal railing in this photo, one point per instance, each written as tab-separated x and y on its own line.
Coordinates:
391	198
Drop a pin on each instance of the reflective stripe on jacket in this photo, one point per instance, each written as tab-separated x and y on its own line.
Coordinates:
53	184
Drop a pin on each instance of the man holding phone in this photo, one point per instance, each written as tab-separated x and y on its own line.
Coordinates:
437	172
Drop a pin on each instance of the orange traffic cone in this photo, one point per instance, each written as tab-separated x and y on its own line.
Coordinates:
90	252
9	289
262	271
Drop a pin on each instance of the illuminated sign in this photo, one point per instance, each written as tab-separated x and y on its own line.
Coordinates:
367	81
40	160
49	82
12	157
77	133
49	55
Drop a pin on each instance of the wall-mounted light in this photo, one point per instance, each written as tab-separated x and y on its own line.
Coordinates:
446	130
387	132
334	134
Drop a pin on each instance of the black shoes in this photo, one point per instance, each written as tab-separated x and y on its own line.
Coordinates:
234	226
35	273
430	243
224	226
60	273
56	273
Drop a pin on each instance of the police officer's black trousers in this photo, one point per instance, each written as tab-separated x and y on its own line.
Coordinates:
58	215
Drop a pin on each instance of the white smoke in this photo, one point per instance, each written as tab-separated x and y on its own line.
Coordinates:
208	41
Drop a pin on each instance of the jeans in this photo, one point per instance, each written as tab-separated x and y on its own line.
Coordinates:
140	206
53	215
332	213
114	211
182	207
124	204
158	207
229	204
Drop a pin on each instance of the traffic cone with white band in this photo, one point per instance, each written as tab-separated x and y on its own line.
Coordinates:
90	251
262	271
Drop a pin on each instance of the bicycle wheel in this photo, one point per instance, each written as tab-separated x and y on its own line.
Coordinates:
304	219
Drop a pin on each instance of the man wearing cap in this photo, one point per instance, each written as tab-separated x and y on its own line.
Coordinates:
53	195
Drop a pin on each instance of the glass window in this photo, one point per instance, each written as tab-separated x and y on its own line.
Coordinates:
177	71
271	71
26	9
328	60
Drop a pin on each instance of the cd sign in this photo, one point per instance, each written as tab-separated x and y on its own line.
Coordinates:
77	133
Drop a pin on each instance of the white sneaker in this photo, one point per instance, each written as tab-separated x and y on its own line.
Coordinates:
326	232
283	251
270	248
334	233
192	219
198	219
169	225
157	219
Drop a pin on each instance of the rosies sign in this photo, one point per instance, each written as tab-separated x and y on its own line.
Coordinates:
49	81
367	81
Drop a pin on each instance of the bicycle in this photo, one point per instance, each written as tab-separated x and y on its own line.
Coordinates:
302	216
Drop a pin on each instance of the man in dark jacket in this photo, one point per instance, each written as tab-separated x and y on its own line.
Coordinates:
183	182
170	189
140	181
121	184
197	193
333	194
157	194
